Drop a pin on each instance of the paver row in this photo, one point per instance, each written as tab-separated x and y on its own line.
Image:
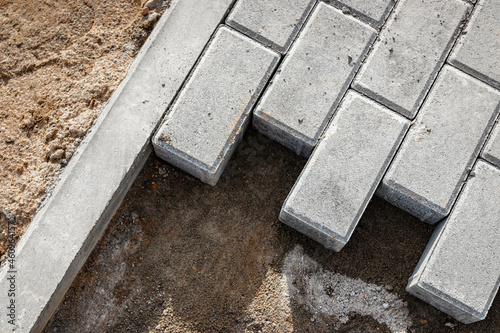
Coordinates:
441	147
459	272
208	119
344	170
313	78
361	138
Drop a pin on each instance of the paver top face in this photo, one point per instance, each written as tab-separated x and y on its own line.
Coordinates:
478	51
492	149
376	10
275	23
445	138
317	71
220	92
412	46
332	190
465	263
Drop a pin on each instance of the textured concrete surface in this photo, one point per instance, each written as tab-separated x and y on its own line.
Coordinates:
491	151
373	12
442	145
275	23
412	48
344	170
62	234
459	272
477	51
300	101
207	121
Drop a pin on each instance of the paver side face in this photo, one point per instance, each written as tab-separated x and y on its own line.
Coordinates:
465	262
477	52
275	23
492	150
431	165
412	47
314	76
374	10
212	108
340	177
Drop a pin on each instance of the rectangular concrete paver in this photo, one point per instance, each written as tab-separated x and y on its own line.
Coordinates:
443	143
64	232
207	121
491	152
344	170
373	12
477	52
275	23
459	272
313	78
412	47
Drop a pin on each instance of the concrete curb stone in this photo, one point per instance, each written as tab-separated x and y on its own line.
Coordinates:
304	93
64	232
344	170
459	272
435	158
208	120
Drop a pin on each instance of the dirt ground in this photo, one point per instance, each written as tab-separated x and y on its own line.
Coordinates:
60	61
183	256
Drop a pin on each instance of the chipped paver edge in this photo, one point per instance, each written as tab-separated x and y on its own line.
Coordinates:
41	299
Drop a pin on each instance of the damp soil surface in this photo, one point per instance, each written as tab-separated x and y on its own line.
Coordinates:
60	61
183	256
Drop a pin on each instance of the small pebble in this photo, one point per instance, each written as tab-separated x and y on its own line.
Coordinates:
385	305
145	11
346	10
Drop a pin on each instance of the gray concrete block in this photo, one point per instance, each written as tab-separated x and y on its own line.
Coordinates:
491	151
344	170
374	12
274	23
477	51
64	232
313	78
435	158
412	48
208	119
459	272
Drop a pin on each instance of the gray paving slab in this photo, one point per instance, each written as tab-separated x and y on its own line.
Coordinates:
313	78
374	12
208	120
459	272
477	51
344	170
274	23
410	52
435	158
64	232
491	151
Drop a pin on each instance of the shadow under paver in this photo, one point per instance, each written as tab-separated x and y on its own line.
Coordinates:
208	120
344	170
477	51
491	151
374	12
459	272
274	23
313	78
412	48
64	232
436	156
